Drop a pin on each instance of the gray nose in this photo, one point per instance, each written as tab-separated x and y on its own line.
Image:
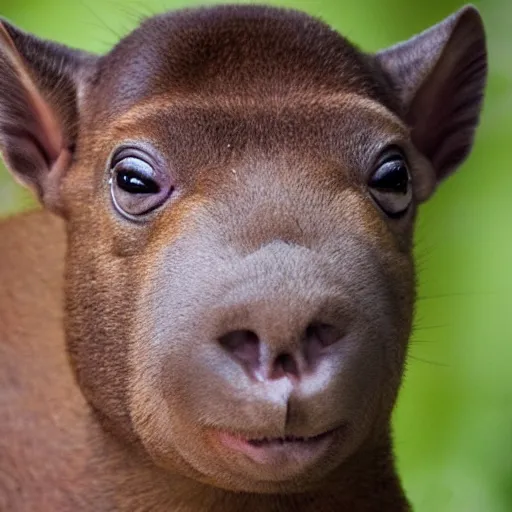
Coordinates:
265	359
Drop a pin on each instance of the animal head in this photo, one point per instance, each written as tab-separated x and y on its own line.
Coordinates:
239	186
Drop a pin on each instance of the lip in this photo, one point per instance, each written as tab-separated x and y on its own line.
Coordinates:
280	451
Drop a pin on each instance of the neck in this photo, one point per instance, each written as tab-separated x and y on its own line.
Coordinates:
365	483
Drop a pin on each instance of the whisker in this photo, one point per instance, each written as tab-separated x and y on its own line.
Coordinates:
136	12
417	328
414	341
454	294
100	20
428	361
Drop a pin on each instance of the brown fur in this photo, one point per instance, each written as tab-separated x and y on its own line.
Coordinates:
114	376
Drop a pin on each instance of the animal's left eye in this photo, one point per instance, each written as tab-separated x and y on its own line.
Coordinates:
390	185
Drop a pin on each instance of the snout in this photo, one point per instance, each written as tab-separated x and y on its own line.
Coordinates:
269	362
278	322
281	348
279	328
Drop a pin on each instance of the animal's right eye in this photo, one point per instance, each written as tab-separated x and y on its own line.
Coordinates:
134	176
136	186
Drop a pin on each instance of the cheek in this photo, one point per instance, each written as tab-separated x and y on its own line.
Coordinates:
98	328
398	309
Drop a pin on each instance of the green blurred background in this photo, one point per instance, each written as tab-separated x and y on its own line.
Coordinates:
453	423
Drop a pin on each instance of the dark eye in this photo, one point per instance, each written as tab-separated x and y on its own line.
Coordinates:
132	176
136	186
390	185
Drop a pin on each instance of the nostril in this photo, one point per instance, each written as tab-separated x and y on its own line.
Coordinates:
243	345
322	334
285	364
317	337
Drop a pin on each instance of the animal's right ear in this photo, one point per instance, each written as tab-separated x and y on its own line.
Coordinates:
39	109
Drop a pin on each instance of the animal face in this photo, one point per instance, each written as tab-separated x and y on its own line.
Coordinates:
269	295
240	186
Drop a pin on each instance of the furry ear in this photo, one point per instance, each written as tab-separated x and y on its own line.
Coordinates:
440	77
39	83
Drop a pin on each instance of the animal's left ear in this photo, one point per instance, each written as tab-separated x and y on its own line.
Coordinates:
440	77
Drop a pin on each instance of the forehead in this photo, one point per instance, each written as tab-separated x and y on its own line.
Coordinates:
233	51
344	129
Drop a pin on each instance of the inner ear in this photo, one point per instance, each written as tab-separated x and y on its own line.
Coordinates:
440	77
38	109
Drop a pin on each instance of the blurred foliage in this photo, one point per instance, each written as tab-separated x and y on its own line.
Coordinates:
453	424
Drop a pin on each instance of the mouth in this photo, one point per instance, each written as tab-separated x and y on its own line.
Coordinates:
281	451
